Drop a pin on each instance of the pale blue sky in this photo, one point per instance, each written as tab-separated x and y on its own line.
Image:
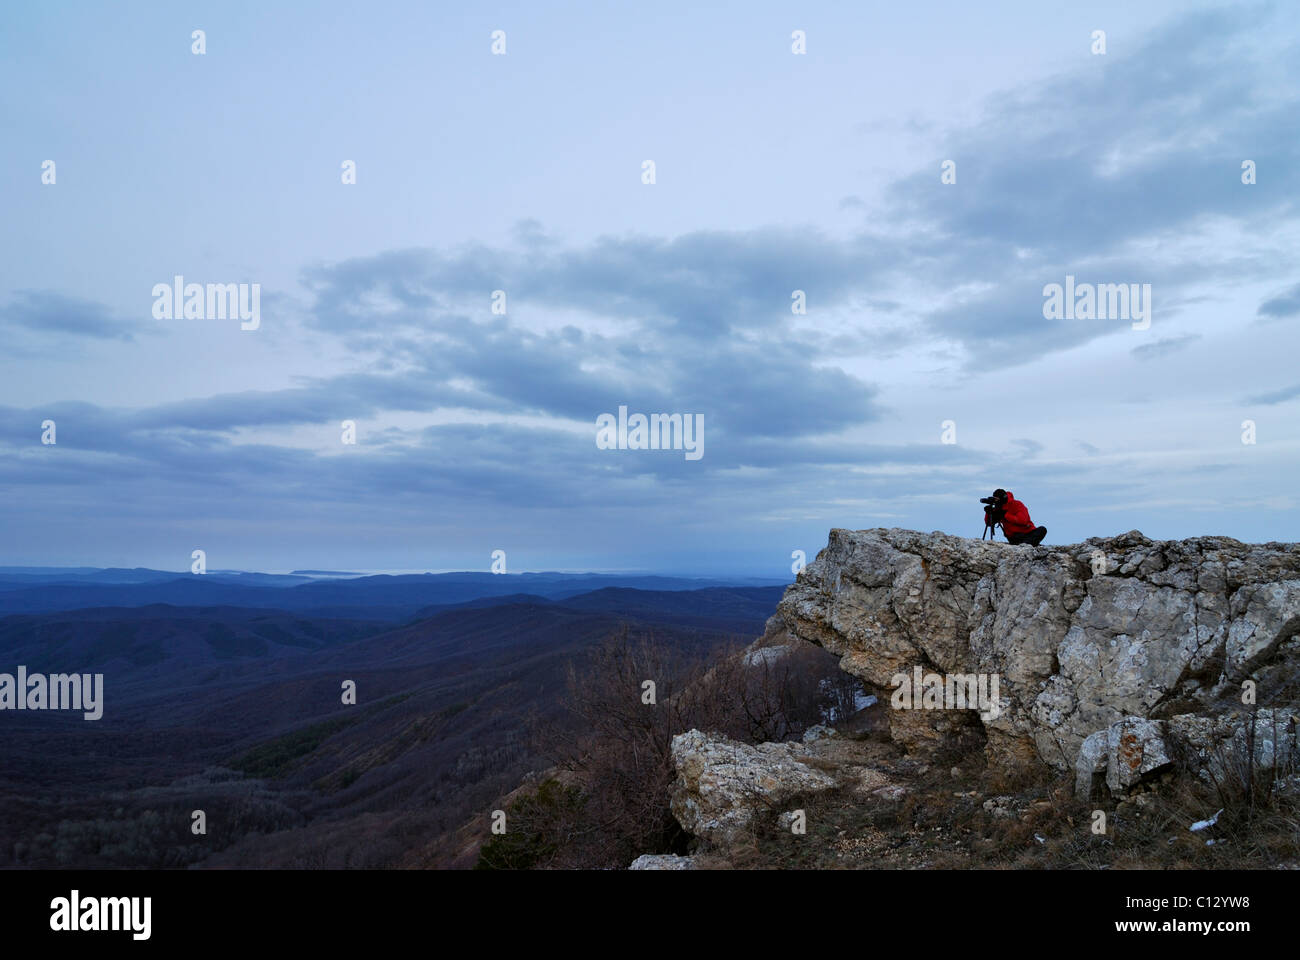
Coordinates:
775	172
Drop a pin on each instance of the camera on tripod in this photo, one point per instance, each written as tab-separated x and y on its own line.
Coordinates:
993	512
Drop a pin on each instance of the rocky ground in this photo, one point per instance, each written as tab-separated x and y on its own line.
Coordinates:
865	804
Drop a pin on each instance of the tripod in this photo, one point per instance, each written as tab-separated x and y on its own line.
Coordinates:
992	521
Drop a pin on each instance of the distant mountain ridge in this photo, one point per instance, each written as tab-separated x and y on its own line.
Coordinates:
395	598
158	638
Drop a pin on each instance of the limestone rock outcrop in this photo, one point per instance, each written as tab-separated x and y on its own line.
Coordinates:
1112	654
1121	660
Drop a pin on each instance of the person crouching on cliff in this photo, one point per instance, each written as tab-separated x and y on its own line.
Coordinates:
1014	517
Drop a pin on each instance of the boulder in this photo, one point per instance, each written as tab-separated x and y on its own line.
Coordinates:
722	783
662	861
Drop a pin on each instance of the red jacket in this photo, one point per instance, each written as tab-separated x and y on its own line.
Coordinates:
1015	517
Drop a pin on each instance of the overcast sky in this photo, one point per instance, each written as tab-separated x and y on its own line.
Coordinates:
774	171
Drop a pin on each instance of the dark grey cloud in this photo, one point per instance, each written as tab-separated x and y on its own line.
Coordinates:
1284	305
705	321
198	440
1275	396
1163	348
474	487
703	285
55	318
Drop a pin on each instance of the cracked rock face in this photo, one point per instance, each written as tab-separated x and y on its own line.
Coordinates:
1087	639
1134	748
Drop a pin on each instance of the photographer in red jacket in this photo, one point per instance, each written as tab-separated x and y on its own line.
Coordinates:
1003	508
